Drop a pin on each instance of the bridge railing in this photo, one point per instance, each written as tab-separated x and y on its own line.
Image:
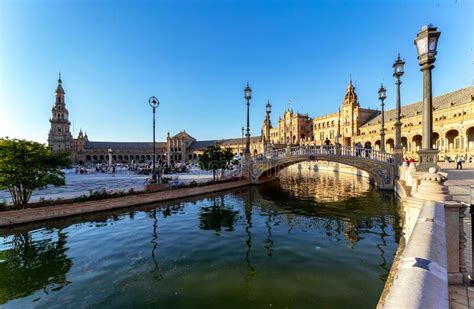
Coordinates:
333	150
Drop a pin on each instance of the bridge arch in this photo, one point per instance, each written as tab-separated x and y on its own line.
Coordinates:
378	165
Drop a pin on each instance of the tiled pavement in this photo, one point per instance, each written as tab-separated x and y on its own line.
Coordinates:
77	184
459	182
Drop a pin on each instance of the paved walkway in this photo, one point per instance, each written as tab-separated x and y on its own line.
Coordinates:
77	184
459	182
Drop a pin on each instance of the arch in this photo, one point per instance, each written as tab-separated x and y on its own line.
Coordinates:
452	139
381	173
389	145
114	158
470	138
94	158
368	144
377	145
255	152
148	157
435	140
416	143
404	143
88	158
101	158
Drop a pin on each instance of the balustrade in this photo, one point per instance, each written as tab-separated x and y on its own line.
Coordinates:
333	150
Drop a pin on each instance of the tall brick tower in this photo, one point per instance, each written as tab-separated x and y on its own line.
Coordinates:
59	137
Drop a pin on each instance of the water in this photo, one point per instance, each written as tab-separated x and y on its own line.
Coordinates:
309	240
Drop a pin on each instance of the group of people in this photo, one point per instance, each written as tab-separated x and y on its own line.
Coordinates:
359	149
459	159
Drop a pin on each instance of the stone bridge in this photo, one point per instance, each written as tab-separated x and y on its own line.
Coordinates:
379	165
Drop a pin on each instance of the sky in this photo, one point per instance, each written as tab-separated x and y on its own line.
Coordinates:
196	57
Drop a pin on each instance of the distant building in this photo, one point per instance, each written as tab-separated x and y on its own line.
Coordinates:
453	131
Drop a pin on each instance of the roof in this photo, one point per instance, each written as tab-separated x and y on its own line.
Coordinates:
454	98
230	141
183	134
123	145
202	144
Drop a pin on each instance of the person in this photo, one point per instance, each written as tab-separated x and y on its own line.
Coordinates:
459	162
113	170
358	146
327	143
368	148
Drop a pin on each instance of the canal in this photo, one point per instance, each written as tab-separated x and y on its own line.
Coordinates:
310	239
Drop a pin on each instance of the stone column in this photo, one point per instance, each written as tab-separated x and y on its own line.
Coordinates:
427	155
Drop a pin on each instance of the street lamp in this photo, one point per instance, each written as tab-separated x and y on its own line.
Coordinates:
426	43
248	96
268	109
397	73
153	101
382	97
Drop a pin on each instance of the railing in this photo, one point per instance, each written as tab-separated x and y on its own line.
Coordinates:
333	150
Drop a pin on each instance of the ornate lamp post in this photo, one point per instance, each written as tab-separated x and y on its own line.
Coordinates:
153	101
248	96
382	97
267	146
397	73
426	43
268	110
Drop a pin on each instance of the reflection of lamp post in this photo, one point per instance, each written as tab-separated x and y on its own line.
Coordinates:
154	104
382	96
426	43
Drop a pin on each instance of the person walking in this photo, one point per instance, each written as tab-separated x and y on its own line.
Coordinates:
459	163
327	144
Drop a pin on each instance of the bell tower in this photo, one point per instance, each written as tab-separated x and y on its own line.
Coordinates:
59	137
349	116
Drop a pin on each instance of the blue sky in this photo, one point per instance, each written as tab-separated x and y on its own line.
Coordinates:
196	57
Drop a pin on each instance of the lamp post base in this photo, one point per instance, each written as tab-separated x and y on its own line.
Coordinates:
428	158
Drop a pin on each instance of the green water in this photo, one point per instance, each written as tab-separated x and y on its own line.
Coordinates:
308	240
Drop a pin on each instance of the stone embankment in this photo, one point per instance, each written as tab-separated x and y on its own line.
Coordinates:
433	232
12	217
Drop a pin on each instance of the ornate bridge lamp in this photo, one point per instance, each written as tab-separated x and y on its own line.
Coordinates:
397	73
268	146
426	43
248	96
382	97
153	101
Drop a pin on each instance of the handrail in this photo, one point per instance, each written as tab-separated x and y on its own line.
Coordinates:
333	150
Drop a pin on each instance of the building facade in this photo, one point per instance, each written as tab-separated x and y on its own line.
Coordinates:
453	127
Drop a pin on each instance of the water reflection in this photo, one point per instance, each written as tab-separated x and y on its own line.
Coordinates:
28	265
289	243
217	217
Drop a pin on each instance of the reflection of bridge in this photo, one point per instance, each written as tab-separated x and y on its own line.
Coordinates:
379	165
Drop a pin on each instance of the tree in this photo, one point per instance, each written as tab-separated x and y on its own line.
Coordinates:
215	158
26	166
